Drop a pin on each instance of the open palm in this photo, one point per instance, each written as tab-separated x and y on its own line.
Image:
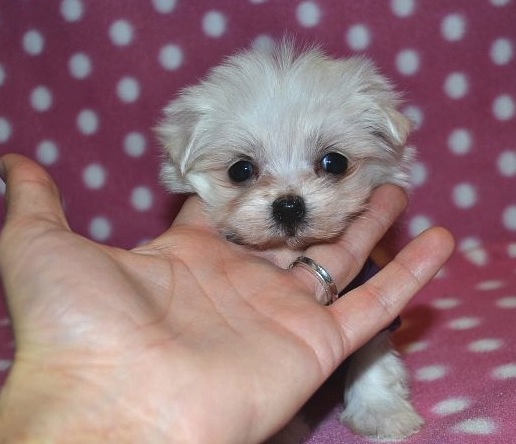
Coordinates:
188	338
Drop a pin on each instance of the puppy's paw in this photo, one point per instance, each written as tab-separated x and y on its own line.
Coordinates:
394	421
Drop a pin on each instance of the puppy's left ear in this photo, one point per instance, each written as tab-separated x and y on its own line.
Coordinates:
382	117
396	127
177	133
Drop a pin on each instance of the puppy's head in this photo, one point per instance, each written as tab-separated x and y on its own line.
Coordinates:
285	146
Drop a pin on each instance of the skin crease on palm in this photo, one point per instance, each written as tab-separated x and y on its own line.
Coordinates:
187	339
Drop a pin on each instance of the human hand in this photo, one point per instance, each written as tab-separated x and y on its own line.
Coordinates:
188	339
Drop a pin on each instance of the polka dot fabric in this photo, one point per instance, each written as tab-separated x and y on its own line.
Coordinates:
82	83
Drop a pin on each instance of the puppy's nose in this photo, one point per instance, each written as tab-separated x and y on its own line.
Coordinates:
289	211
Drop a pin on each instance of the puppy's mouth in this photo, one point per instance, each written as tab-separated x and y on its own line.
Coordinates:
291	223
286	226
293	238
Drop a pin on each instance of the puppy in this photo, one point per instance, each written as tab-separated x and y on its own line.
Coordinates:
285	146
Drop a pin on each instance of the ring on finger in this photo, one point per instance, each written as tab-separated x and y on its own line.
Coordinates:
321	274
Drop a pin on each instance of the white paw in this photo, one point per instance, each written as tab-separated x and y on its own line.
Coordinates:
393	422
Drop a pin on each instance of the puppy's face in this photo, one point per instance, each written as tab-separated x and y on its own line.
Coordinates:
285	147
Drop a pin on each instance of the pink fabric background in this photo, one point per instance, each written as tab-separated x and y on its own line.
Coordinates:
83	82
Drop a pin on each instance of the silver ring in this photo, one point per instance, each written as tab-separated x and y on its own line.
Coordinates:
321	274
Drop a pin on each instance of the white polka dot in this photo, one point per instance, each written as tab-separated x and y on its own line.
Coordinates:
41	98
2	187
33	42
418	224
164	6
506	371
446	303
121	32
469	243
464	195
464	323
135	144
485	345
171	57
358	37
456	85
453	27
418	174
79	66
5	130
503	107
47	152
507	302
2	75
500	2
94	176
501	51
460	141
511	249
509	217
450	406
478	256
128	89
214	24
476	426
490	285
257	2
414	347
88	122
5	364
407	62
415	115
402	8
264	41
431	373
473	250
100	228
72	10
308	14
507	163
141	198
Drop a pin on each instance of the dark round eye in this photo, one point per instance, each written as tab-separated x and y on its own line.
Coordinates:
334	163
241	171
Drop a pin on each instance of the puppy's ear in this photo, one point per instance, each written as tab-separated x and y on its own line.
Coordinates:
394	129
177	133
383	119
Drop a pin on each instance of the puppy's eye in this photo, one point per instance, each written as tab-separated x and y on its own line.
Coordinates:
241	171
334	163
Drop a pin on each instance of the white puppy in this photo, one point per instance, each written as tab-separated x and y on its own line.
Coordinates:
285	148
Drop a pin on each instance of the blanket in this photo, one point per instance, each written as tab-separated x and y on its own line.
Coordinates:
83	82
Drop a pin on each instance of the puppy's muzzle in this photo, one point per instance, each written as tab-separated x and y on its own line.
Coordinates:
289	212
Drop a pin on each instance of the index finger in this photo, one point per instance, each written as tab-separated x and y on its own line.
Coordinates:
374	304
344	258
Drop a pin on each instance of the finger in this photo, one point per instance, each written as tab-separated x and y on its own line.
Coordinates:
375	304
192	213
192	216
344	258
30	192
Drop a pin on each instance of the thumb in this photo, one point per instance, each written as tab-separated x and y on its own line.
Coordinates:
31	194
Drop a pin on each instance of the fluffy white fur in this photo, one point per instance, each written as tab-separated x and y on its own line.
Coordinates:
283	110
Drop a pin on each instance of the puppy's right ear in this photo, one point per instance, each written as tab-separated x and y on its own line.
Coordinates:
177	133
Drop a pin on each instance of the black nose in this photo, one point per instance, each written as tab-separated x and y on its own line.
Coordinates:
289	211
